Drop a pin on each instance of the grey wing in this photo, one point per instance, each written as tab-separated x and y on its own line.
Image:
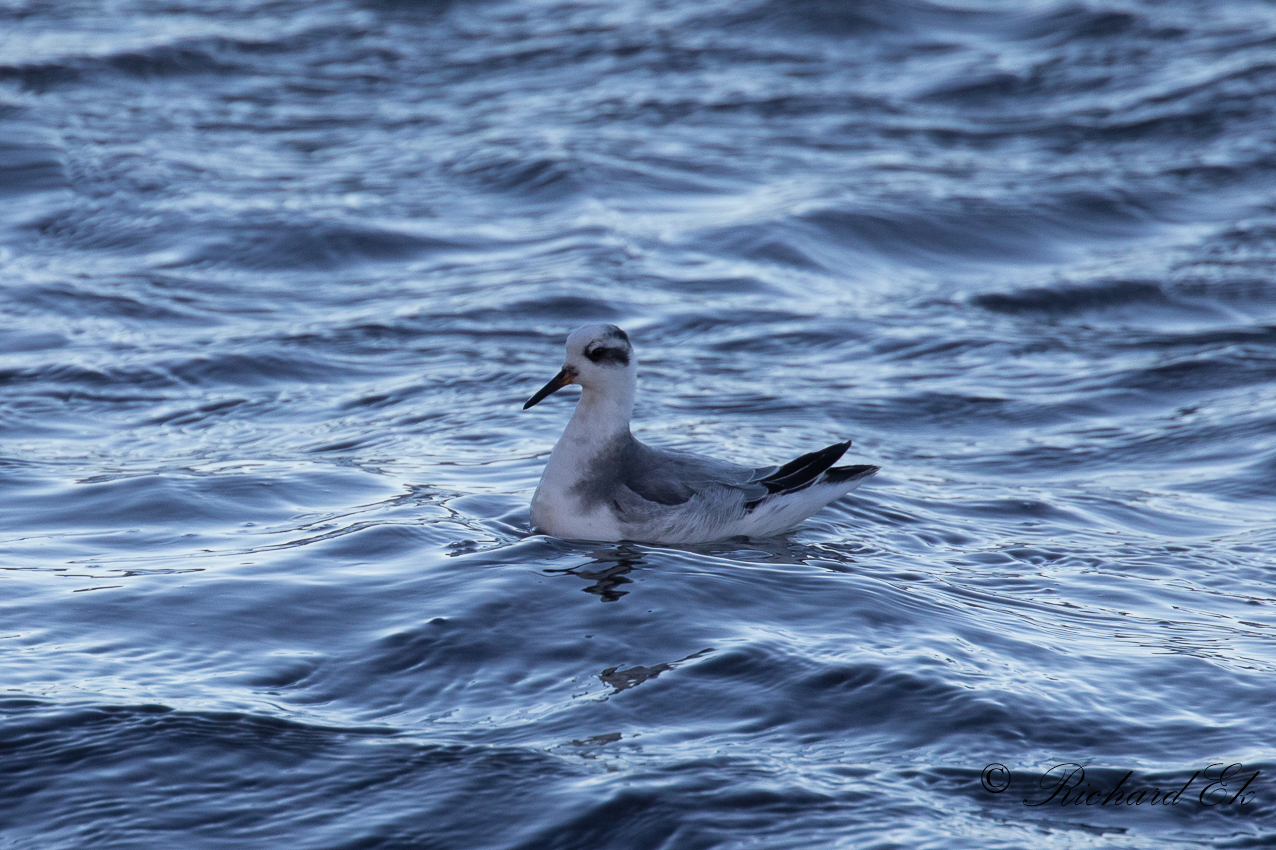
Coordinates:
647	482
669	478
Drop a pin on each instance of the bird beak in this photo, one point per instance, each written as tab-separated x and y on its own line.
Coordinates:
562	379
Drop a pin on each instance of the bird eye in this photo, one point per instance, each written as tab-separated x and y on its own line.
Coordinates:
604	354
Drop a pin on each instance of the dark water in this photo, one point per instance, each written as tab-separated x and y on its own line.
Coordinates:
277	277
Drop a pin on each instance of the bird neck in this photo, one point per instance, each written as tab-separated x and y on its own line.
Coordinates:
601	415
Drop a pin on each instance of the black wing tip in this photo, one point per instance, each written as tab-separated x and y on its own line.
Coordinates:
801	471
827	455
840	474
833	475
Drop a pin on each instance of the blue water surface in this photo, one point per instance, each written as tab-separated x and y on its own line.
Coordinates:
276	277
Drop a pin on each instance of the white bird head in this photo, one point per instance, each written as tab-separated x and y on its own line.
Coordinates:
600	358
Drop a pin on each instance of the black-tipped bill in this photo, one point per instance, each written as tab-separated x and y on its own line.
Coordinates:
562	379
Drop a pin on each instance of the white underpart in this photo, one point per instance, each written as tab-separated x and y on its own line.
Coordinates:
784	512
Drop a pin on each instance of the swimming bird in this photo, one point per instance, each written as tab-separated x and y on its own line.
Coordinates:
601	483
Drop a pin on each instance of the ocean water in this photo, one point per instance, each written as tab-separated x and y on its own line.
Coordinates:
276	277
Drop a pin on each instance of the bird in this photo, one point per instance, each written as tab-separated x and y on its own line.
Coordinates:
602	484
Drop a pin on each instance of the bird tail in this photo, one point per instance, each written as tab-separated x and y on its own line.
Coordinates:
809	469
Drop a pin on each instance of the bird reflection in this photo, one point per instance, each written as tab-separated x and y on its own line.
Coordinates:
611	564
615	562
623	680
775	550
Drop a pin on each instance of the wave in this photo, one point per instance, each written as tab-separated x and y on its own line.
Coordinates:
121	501
1074	298
196	57
252	242
109	776
968	229
26	165
273	244
169	58
844	18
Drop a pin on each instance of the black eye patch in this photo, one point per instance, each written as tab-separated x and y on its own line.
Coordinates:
605	354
